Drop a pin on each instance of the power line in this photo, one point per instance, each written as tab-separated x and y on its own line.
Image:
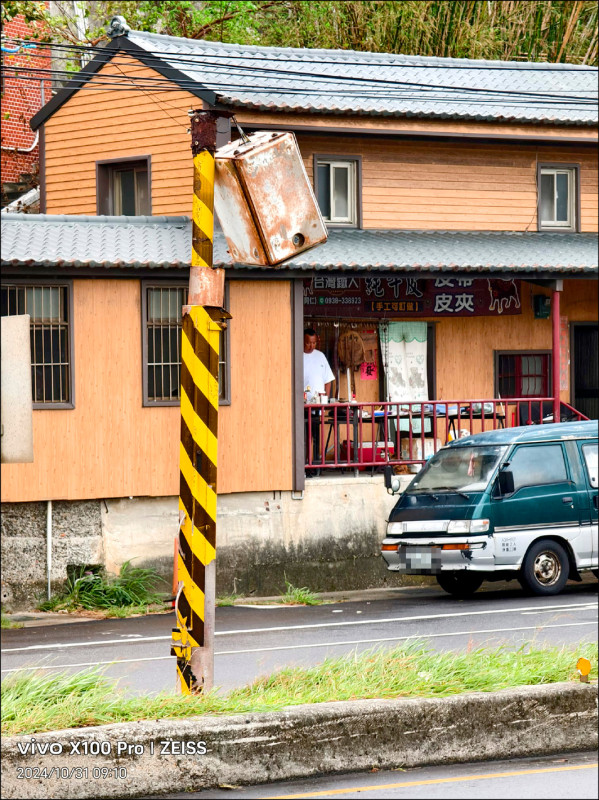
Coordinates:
389	91
474	64
130	83
199	61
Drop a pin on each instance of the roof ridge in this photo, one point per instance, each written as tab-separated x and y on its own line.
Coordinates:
434	60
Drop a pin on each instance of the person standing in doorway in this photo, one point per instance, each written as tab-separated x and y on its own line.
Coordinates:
318	379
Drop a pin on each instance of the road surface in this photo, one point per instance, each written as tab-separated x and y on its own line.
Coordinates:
572	775
253	641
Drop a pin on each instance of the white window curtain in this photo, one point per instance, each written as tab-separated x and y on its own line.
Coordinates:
403	347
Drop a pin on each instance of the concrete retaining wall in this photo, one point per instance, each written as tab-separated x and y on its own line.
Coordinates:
304	741
76	540
329	540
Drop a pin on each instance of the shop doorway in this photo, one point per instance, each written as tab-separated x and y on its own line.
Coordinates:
368	381
585	368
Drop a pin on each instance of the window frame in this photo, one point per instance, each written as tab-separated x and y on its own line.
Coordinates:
105	170
587	468
531	446
355	186
522	353
573	200
146	284
68	285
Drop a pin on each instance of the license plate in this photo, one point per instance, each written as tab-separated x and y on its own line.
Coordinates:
418	559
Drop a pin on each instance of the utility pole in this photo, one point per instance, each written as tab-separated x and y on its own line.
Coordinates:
203	320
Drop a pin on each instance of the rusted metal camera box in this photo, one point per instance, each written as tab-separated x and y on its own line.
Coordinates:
264	200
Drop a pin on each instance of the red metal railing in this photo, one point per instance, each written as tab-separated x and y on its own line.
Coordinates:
368	435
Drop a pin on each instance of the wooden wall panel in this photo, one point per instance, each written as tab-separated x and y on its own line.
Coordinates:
110	446
465	370
95	125
255	431
457	186
406	184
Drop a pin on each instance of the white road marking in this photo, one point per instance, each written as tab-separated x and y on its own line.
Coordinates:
311	645
312	626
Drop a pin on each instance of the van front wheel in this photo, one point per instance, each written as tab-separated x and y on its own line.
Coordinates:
545	568
459	584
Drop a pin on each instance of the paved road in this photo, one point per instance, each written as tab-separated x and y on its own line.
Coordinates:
572	775
252	641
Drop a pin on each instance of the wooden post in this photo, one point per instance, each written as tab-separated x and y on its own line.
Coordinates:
555	369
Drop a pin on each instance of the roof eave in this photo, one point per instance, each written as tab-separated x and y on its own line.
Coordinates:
121	44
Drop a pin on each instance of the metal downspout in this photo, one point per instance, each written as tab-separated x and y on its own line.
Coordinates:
49	548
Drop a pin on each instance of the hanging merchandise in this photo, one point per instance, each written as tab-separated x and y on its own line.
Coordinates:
351	355
404	345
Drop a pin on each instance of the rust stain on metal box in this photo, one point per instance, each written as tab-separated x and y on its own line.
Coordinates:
264	200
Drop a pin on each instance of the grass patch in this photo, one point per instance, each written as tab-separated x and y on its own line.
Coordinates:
127	593
7	622
227	600
295	596
32	703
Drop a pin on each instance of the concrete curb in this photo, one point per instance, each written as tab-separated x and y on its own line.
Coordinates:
299	742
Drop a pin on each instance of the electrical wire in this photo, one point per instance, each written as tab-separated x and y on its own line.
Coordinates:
150	59
472	64
130	82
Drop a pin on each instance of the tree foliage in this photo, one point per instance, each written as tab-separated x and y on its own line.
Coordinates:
524	30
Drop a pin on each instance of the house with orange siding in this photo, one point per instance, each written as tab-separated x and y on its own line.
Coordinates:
460	199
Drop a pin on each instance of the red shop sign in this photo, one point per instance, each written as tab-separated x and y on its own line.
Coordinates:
349	296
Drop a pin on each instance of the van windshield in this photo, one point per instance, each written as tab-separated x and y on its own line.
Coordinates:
458	469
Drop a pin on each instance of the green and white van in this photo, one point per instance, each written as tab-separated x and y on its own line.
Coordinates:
510	503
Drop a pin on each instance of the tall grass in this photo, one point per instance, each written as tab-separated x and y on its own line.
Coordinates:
90	590
32	703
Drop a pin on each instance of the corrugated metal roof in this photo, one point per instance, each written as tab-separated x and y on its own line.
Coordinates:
380	84
164	243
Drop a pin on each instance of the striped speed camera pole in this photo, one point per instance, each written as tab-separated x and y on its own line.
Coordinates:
193	638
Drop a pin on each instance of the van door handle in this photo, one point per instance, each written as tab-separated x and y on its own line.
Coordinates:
567	499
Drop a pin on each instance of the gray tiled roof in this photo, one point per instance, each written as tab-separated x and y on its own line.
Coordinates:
164	243
81	241
380	84
446	251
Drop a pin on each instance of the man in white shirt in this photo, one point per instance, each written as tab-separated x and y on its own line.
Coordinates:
318	375
318	378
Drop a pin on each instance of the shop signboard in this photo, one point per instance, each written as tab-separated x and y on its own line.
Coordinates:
348	296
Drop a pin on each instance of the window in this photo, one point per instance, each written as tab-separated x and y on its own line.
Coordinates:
123	187
162	321
557	205
523	374
590	459
49	306
536	465
337	189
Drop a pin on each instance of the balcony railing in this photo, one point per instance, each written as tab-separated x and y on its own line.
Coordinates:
363	436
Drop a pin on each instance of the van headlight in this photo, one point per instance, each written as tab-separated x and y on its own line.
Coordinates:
459	526
395	528
468	526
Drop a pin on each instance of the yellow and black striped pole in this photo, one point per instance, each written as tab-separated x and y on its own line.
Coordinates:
193	642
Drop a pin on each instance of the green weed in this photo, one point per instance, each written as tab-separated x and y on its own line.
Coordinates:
295	596
227	600
132	588
32	703
9	623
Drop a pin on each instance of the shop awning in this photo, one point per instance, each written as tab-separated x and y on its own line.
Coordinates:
561	254
85	243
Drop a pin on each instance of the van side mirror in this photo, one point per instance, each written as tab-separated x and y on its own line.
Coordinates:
391	480
506	482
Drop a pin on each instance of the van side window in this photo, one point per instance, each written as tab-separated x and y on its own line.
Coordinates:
538	464
590	459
